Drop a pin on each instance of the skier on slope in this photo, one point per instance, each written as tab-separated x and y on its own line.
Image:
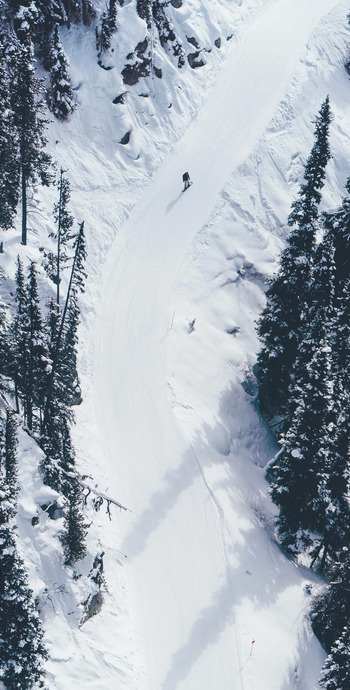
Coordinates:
186	180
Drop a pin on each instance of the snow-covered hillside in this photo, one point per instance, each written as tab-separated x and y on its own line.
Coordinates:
198	593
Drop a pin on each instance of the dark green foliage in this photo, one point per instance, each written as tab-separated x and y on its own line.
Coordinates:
282	322
79	274
60	95
20	337
336	671
299	471
9	168
8	466
64	222
144	10
34	161
6	354
21	646
30	363
9	462
165	30
54	263
67	366
24	21
332	611
87	12
38	352
107	29
73	537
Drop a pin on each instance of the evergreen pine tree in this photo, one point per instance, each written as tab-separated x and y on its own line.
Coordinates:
300	469
107	28
337	224
34	161
144	10
38	354
301	474
24	21
87	12
74	535
79	274
10	451
282	322
6	354
20	338
64	221
67	365
9	153
21	647
54	263
336	671
330	614
60	95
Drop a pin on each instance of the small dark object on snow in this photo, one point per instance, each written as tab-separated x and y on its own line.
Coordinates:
186	180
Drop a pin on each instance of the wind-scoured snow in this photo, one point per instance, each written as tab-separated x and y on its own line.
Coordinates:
169	426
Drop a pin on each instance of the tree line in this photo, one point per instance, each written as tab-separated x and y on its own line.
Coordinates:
304	392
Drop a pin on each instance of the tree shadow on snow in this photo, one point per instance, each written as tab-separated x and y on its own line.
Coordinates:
228	458
257	570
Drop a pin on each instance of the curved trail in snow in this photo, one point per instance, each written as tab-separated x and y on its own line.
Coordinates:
180	586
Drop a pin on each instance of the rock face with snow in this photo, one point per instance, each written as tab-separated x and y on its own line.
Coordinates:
168	424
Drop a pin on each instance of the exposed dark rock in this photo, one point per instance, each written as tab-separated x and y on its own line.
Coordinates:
217	42
193	41
92	606
229	37
176	3
53	510
125	139
140	68
141	47
157	71
132	73
193	60
120	98
166	32
107	68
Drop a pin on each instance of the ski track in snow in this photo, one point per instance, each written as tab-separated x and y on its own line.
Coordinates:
192	607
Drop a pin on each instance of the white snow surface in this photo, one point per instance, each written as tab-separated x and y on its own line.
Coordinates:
169	426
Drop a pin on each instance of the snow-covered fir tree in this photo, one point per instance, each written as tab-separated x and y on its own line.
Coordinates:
20	337
21	636
108	26
55	262
38	353
60	96
336	671
300	469
282	322
34	161
9	152
75	528
330	614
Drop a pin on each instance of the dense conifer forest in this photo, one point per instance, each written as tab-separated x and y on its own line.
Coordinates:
303	375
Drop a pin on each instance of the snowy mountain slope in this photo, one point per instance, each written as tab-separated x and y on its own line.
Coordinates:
195	549
166	426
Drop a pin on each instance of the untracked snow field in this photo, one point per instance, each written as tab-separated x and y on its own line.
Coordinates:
199	596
